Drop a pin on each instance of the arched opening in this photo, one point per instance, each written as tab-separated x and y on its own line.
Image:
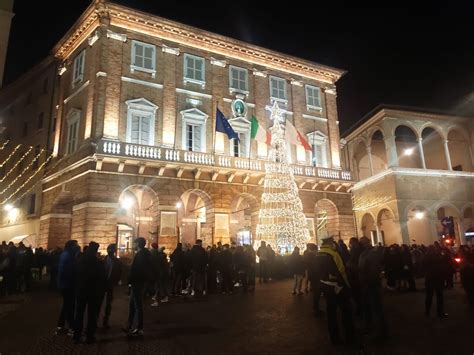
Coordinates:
389	230
379	155
459	151
137	216
243	219
361	159
448	223
326	219
407	148
196	219
468	224
433	148
368	228
418	224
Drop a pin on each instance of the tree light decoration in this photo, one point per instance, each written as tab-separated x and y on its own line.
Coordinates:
281	221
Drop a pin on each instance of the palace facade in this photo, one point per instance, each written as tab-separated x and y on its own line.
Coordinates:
132	143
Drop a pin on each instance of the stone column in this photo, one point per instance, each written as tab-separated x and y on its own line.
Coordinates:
422	153
371	163
404	231
333	128
169	96
448	157
391	150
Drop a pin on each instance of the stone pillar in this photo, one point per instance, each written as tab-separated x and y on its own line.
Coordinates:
433	230
422	153
462	238
371	163
391	150
94	221
169	97
448	157
55	230
333	128
404	231
115	47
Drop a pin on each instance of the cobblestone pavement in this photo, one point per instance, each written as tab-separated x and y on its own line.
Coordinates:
270	321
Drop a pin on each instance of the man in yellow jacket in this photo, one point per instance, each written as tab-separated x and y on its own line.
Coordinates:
331	273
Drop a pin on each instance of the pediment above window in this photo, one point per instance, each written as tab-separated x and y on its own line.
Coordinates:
142	104
195	114
317	136
239	123
73	114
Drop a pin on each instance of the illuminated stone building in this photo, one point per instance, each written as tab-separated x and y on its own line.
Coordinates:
133	141
413	169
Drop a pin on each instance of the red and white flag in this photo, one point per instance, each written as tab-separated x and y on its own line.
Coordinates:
294	137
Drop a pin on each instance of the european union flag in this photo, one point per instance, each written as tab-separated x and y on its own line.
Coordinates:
223	125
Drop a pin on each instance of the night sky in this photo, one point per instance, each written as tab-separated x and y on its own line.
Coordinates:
401	56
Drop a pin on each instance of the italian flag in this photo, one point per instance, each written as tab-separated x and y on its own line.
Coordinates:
259	133
293	136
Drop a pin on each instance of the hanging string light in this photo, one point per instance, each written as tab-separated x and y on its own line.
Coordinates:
4	145
27	180
281	221
23	171
16	164
10	156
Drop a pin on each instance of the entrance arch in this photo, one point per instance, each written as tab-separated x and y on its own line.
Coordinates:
326	218
458	144
361	159
443	214
368	229
408	152
196	217
433	149
379	154
419	226
389	231
244	209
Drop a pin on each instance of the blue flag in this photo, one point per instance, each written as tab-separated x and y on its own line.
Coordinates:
223	125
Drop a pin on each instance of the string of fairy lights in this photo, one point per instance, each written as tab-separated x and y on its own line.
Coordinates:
17	188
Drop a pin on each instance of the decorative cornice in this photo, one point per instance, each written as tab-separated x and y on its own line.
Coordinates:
95	205
296	82
193	93
169	50
330	91
142	82
55	215
118	36
62	69
316	118
83	86
218	62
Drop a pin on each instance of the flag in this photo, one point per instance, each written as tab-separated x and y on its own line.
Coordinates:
294	137
223	125
259	133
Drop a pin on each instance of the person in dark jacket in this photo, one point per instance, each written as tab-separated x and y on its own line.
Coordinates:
178	265
332	276
370	268
66	285
225	267
140	274
352	267
198	259
297	268
91	284
408	270
242	266
310	264
434	280
113	270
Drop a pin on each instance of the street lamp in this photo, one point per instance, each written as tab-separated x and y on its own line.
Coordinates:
409	151
8	207
419	215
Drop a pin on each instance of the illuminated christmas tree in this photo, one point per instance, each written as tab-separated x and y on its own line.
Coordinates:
281	221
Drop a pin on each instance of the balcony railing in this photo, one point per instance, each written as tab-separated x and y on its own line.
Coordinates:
207	159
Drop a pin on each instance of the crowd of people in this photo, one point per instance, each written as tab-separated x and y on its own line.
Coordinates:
349	278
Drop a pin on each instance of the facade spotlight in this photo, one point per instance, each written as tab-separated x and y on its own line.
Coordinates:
419	215
409	151
8	207
178	205
126	203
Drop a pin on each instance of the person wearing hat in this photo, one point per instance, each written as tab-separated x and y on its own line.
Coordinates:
113	270
331	273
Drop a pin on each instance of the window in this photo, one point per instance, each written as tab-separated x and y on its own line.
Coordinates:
141	121
73	121
319	145
240	149
25	129
194	130
194	69
32	204
278	88
40	120
45	86
143	57
313	97
78	70
238	79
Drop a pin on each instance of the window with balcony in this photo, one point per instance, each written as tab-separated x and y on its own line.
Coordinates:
143	57
319	143
193	130
194	69
141	121
313	97
238	80
278	89
73	122
78	68
241	126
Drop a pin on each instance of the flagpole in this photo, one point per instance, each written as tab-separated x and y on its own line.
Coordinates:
214	135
